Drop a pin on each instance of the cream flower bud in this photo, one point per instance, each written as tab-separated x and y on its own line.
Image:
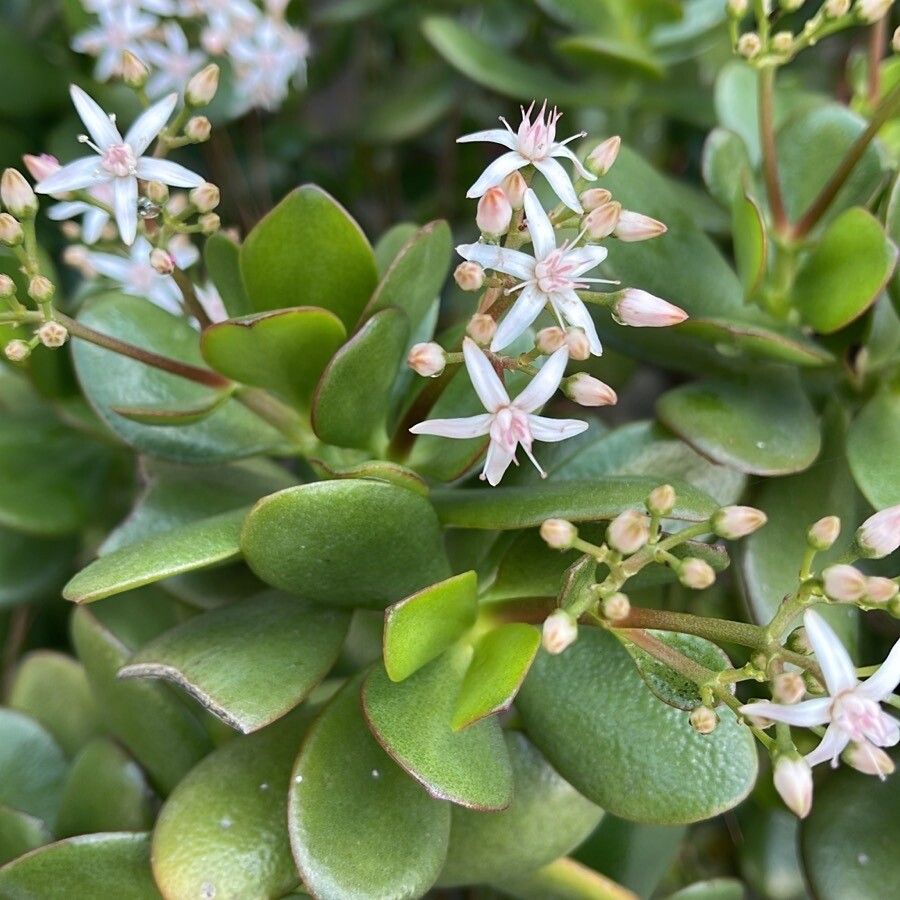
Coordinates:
661	500
749	45
616	607
733	522
824	533
514	186
836	8
782	41
788	687
7	286
600	223
558	534
134	72
603	156
162	261
203	86
703	720
791	5
559	632
549	340
494	212
41	289
880	590
481	329
52	334
873	10
633	226
895	41
578	344
72	232
469	276
868	759
157	192
594	198
209	223
628	531
205	197
640	309
738	8
879	535
427	359
696	574
793	781
11	232
41	167
198	129
17	194
17	351
844	584
586	390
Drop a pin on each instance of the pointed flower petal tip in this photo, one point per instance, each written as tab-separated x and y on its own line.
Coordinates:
869	759
793	781
733	522
640	309
879	535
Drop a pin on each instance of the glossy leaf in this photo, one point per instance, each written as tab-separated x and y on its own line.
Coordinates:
345	543
372	831
761	424
656	767
564	879
725	164
222	257
711	889
846	271
499	665
334	267
20	833
872	449
412	721
285	350
196	545
423	626
376	469
391	243
545	820
163	414
750	241
612	55
248	663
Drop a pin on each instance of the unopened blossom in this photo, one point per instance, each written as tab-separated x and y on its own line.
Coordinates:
551	276
17	194
586	390
134	71
628	531
11	233
868	759
749	45
41	289
580	349
534	143
198	129
558	534
733	522
603	156
703	720
559	632
7	286
782	41
514	186
634	226
696	574
824	533
173	61
880	589
202	87
873	10
788	687
206	197
510	423
738	7
549	340
792	777
844	583
594	197
17	350
469	276
601	222
661	501
120	162
836	8
494	212
616	607
640	309
481	328
121	27
879	535
52	334
851	710
895	41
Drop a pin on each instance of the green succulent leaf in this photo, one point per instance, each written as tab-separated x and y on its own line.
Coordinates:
20	833
750	241
377	470
222	257
711	889
391	243
611	55
872	449
725	164
163	414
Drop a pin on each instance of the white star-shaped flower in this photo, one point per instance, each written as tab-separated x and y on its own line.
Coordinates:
172	60
510	423
551	276
120	162
121	27
851	708
533	144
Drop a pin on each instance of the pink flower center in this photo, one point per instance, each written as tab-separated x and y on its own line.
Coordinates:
862	720
554	273
119	160
535	139
510	428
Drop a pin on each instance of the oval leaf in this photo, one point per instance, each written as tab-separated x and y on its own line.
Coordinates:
872	449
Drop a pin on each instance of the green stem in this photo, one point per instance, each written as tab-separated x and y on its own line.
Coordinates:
766	101
716	630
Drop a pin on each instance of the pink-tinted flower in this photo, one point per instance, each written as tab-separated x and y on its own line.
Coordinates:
879	535
793	781
640	309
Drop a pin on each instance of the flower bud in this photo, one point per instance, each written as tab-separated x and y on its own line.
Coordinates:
880	590
824	533
600	223
733	522
793	781
872	10
41	167
749	45
11	232
844	584
427	359
616	607
578	344
559	632
634	226
782	42
558	534
41	289
696	574
494	213
788	687
197	129
17	195
52	334
7	287
481	329
879	535
799	642
738	8
79	258
17	351
594	198
162	261
209	223
837	8
603	156
661	500
203	86
134	73
703	720
586	390
514	186
895	41
640	309
868	759
469	276
205	197
549	340
628	531
157	192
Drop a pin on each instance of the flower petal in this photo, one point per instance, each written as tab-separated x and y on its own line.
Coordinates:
496	463
540	228
553	430
885	680
809	712
92	224
830	748
510	262
496	172
576	313
493	135
522	313
81	173
125	206
543	386
165	293
586	258
98	123
116	267
563	150
149	124
468	427
167	172
59	212
560	182
835	662
484	379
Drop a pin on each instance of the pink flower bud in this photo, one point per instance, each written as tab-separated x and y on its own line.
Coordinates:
558	534
162	261
788	687
549	340
205	197
868	759
616	607
52	334
880	590
824	533
427	359
640	309
133	71
703	720
481	329
157	192
600	223
844	584
198	129
11	233
835	9
17	351
79	258
661	500
628	531
41	289
793	781
733	522
494	212
603	156
559	632
696	574
41	167
203	86
17	194
873	10
209	223
578	344
469	276
7	286
879	535
634	226
586	390
514	186
749	45
594	198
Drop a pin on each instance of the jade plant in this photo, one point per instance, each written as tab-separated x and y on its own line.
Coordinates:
399	568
